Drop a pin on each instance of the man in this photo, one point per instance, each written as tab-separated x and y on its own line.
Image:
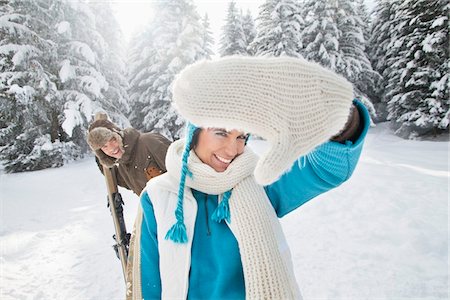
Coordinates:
137	157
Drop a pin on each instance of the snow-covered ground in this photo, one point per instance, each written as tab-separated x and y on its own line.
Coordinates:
381	235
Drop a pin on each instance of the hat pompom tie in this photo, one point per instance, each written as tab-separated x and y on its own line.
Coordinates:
222	211
177	233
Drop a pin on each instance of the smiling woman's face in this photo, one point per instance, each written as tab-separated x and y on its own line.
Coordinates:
218	147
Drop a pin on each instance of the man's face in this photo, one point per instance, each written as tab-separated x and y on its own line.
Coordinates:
112	149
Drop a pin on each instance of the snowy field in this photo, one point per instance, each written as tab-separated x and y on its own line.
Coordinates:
381	235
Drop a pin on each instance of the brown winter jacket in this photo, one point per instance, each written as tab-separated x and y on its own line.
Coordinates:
144	158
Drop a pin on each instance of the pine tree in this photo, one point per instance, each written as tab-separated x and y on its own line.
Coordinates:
381	50
81	49
420	100
278	29
52	79
142	72
90	71
172	41
116	102
207	39
362	12
355	66
248	26
28	136
321	35
233	39
334	38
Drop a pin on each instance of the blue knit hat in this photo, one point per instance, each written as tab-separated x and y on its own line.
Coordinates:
177	232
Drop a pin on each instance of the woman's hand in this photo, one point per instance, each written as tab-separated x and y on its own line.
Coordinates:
294	104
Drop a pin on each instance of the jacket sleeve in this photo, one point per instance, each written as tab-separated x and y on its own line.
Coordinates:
150	278
328	166
120	181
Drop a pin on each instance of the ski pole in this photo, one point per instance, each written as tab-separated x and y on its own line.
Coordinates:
115	205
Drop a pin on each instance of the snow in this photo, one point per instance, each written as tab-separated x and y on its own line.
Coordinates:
63	27
10	23
72	113
83	50
429	42
381	235
24	94
92	85
22	53
66	72
440	85
439	21
47	144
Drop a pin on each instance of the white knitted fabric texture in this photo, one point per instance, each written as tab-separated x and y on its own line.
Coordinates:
265	256
294	104
205	178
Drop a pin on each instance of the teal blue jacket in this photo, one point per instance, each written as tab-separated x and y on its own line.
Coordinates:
216	268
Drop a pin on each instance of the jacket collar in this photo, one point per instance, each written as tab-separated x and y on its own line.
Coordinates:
130	139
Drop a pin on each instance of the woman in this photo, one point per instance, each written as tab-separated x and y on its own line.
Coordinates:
208	228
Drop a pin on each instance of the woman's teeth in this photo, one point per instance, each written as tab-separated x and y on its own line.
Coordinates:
224	160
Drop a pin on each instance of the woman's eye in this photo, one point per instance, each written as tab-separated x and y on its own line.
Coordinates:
221	133
243	136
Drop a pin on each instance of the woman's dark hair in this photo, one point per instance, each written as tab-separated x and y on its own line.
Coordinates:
194	140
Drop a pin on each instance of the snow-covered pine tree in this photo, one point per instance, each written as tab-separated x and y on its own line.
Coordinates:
395	55
233	39
51	81
363	14
320	37
116	102
370	88
351	41
172	41
207	39
382	38
334	38
141	74
29	131
248	25
263	26
420	99
89	66
279	25
355	66
81	49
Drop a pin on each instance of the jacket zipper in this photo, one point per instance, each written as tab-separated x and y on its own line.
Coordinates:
208	230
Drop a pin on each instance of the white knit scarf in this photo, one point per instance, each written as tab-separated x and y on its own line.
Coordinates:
264	253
